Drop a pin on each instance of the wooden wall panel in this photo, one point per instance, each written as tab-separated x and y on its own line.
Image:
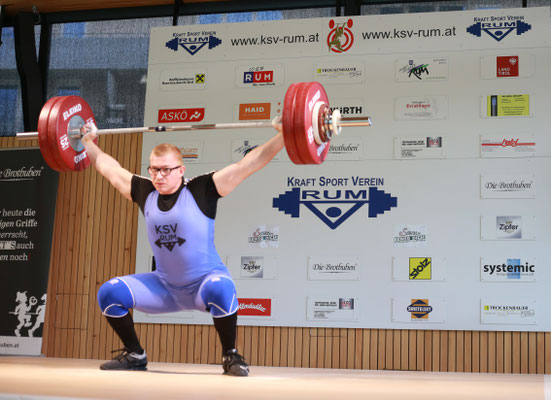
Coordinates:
94	239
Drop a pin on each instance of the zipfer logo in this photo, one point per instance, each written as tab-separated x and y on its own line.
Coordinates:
334	206
498	27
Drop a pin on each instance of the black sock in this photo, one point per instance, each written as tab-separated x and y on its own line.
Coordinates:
227	331
124	328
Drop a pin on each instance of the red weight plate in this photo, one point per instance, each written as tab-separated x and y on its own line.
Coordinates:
43	142
307	96
288	118
69	110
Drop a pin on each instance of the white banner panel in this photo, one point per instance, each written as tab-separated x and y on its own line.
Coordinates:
421	108
344	148
520	311
409	148
419	268
252	267
339	72
480	29
328	308
508	269
410	236
333	268
419	310
508	227
415	69
240	147
263	236
176	79
514	65
508	186
364	201
508	145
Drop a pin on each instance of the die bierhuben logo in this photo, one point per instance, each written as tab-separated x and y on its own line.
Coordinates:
499	27
334	206
192	42
340	38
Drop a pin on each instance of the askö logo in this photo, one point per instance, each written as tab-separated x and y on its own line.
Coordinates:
498	27
334	206
192	42
340	38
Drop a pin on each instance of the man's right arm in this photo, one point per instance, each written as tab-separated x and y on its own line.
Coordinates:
106	165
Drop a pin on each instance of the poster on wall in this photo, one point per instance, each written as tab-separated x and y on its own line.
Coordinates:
521	311
393	206
26	225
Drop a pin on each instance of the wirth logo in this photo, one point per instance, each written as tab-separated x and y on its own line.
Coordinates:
328	205
419	309
420	268
192	42
258	77
256	307
254	111
507	66
340	38
498	27
181	115
168	237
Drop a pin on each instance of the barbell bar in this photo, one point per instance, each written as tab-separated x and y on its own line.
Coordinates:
308	126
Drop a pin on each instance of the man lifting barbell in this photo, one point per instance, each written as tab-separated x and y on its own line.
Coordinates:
180	213
189	273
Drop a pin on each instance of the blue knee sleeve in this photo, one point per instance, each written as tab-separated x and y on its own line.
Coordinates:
218	293
115	298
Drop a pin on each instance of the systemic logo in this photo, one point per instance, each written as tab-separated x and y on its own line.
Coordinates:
192	42
498	27
340	38
419	309
335	206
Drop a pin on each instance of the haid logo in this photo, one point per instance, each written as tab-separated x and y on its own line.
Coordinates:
340	38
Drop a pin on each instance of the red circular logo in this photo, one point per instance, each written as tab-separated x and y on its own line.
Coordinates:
340	38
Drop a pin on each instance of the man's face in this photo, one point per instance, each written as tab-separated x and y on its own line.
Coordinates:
166	172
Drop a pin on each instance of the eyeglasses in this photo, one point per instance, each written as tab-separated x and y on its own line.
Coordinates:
165	171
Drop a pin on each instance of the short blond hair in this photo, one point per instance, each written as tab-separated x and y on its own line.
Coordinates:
165	148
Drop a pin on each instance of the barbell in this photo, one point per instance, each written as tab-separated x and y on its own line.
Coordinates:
308	126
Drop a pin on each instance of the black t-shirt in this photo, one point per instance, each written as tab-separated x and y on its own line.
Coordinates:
202	189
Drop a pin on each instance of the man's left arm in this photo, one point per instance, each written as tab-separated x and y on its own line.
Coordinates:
231	176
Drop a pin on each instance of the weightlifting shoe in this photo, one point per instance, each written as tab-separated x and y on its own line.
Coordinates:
126	361
234	364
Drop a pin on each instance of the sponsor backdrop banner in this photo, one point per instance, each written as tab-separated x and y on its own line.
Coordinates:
437	199
26	224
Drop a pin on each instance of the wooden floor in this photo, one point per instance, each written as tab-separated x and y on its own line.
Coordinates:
46	378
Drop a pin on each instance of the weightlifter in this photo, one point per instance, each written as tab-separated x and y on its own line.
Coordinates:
189	274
